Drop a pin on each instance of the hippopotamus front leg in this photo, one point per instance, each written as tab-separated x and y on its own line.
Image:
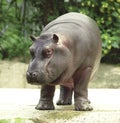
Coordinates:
46	99
65	96
81	79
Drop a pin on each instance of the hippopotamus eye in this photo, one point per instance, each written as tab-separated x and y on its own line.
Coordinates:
47	52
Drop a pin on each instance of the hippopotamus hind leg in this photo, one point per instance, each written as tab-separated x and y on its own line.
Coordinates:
65	96
81	80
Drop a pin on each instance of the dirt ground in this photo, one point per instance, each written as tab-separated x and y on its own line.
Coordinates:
18	106
13	75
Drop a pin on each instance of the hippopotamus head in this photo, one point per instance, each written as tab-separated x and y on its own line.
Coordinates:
50	59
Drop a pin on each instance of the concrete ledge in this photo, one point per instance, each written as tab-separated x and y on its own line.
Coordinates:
18	104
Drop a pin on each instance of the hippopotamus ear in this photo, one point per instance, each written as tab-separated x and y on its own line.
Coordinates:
55	38
33	38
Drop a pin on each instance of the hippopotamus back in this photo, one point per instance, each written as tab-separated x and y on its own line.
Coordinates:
79	29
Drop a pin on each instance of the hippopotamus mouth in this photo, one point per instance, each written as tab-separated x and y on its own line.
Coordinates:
37	81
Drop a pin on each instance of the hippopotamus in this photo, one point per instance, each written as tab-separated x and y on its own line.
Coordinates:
66	53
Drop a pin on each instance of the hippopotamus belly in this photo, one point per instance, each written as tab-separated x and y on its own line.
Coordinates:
67	53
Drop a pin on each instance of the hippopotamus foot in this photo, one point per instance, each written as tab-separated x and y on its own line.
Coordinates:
45	105
82	104
46	99
65	96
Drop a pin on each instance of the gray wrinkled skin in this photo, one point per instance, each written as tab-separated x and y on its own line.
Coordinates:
67	53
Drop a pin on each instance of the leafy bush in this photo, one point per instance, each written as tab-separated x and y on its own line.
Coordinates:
14	40
14	45
20	18
107	15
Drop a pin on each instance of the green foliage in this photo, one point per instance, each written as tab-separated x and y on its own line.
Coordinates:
14	46
107	15
20	18
14	40
15	120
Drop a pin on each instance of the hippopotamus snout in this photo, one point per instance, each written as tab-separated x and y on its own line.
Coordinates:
37	77
32	76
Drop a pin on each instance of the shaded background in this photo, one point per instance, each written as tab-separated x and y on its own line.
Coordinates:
21	18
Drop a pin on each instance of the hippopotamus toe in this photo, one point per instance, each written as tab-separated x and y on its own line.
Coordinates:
64	102
45	105
83	105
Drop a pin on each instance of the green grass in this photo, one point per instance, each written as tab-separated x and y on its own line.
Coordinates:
14	120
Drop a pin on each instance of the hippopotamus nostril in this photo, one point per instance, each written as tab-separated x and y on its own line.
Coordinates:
32	77
34	74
